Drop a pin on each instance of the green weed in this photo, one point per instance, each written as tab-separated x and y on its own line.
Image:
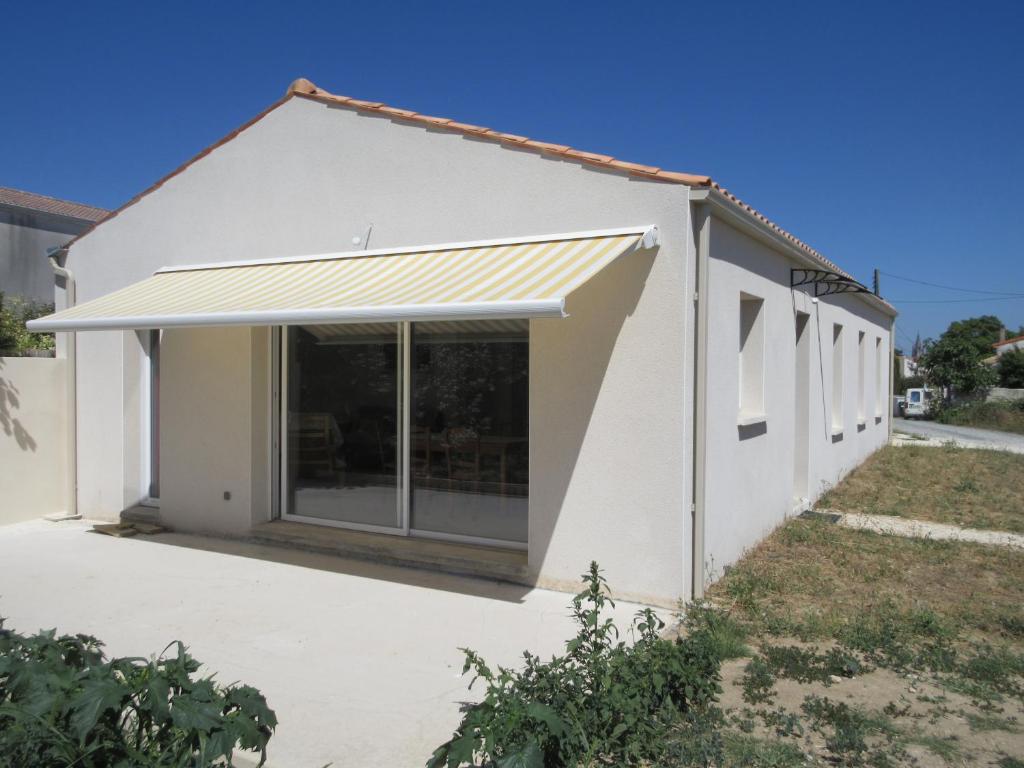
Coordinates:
806	665
758	682
725	636
601	701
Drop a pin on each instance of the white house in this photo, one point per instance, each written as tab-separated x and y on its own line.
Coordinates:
362	328
1008	345
29	224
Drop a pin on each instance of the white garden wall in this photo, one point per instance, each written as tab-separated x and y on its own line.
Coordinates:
33	438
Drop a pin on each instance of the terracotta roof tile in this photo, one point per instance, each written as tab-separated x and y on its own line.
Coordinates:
468	128
589	156
510	137
45	204
1003	343
646	170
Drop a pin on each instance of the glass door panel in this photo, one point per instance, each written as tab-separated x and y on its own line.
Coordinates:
343	390
469	429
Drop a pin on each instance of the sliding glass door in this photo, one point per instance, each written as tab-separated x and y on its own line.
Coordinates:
341	386
414	428
470	429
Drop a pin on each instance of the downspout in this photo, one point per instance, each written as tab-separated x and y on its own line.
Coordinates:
55	255
892	373
702	226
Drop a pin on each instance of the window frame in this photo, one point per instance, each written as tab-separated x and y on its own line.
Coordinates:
750	377
279	440
149	417
862	404
838	384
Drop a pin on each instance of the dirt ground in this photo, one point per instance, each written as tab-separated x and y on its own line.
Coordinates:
931	726
849	647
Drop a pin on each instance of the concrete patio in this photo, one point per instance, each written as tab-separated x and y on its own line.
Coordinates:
359	660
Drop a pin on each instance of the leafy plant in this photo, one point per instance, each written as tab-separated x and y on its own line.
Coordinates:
846	728
63	703
757	682
806	665
15	338
955	362
1011	369
600	701
996	414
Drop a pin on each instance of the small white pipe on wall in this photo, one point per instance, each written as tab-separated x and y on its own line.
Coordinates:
71	353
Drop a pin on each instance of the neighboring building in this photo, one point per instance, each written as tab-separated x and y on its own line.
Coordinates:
908	366
1008	345
601	361
29	225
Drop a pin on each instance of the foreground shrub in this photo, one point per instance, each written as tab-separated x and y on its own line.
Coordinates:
602	701
62	703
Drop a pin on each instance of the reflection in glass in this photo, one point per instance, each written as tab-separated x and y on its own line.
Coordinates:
469	433
342	395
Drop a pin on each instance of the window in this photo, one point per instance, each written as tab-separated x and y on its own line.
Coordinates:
408	428
881	390
469	429
151	414
751	359
861	406
837	379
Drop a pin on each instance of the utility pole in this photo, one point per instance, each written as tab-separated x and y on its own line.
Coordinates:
876	284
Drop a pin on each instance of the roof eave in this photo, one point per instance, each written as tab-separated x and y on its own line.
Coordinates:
749	221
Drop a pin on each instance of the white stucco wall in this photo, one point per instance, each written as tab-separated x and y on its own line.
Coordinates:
750	486
33	438
610	388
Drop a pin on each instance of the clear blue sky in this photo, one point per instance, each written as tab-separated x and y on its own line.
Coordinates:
886	135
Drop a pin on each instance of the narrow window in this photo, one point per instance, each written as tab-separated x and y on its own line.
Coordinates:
837	378
861	404
151	414
751	358
881	390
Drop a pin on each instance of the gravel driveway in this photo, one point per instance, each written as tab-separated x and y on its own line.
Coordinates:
968	437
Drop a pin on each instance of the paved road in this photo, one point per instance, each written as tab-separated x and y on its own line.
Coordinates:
966	436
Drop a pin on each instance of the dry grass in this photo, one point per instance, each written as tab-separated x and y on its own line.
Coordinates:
937	627
962	486
812	579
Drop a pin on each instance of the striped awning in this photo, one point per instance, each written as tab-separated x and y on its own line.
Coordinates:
515	278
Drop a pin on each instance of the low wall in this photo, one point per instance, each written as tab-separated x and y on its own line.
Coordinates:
1002	393
33	437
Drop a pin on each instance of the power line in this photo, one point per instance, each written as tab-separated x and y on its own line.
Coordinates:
905	337
1007	294
956	301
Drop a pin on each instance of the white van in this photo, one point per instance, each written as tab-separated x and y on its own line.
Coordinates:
918	403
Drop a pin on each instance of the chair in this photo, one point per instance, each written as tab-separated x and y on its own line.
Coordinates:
462	454
313	441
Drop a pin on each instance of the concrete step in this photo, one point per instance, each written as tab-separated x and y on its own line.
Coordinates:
444	556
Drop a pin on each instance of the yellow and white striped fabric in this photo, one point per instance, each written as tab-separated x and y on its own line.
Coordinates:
528	278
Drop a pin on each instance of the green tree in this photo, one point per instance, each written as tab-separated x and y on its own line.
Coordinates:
1011	369
979	332
15	338
955	361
